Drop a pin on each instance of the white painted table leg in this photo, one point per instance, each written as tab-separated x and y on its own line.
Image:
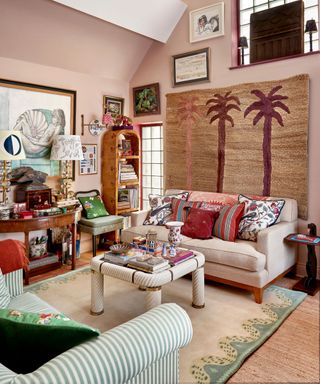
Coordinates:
198	288
153	297
96	293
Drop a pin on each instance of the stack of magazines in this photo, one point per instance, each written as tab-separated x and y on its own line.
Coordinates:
149	264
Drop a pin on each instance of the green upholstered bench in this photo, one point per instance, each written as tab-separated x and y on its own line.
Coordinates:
98	225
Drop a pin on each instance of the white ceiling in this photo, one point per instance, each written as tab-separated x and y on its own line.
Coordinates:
152	18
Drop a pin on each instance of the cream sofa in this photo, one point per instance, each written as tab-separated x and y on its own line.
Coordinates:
244	264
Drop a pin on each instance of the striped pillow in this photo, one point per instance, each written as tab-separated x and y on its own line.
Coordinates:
4	293
180	209
227	224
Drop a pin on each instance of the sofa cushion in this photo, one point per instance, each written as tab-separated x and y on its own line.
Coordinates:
93	206
215	207
29	302
239	254
4	292
258	215
180	209
28	340
161	208
227	225
214	197
199	223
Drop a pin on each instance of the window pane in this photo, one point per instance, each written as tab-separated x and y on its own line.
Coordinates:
157	191
145	204
146	157
156	169
259	2
146	192
309	3
146	145
146	181
156	144
156	157
276	3
245	17
246	4
146	132
155	132
146	169
311	13
261	8
156	182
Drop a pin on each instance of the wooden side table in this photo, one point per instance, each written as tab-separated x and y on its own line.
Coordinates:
308	284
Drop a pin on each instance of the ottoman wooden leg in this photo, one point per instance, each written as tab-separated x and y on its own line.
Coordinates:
153	297
96	293
198	288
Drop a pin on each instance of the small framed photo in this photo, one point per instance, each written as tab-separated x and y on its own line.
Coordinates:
191	67
207	22
146	100
113	105
89	164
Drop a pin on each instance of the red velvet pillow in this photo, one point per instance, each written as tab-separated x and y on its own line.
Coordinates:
199	223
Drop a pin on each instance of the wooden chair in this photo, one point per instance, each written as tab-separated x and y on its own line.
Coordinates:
98	225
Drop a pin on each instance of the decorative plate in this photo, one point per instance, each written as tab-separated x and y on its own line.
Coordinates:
120	248
95	127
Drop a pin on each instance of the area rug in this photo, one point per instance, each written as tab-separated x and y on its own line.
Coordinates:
247	138
230	327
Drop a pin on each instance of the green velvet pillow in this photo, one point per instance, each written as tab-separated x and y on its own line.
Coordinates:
93	207
28	340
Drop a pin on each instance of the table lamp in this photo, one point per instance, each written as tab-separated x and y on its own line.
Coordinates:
66	148
311	27
11	148
243	43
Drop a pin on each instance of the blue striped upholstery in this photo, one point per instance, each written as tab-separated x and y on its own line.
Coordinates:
144	350
14	282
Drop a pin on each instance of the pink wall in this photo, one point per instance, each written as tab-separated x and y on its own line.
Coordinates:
157	67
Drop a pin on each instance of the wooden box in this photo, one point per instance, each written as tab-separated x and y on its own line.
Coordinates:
32	197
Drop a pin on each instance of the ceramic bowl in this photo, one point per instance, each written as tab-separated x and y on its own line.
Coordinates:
120	248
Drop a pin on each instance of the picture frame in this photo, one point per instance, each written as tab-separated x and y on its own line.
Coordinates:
39	112
146	100
206	22
113	105
89	164
191	67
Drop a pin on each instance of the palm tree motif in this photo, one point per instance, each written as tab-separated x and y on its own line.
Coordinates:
220	108
188	115
266	107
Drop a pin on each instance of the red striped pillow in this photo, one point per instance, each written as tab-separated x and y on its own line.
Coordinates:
180	209
227	225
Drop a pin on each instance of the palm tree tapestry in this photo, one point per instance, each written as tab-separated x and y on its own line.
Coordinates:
247	138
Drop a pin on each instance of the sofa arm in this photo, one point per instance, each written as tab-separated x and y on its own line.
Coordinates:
280	255
14	282
6	375
150	341
137	218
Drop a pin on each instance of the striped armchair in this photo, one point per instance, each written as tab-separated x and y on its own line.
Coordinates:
144	350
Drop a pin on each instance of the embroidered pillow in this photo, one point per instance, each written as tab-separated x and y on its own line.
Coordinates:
199	223
214	207
28	340
4	292
227	224
161	208
93	207
258	215
180	209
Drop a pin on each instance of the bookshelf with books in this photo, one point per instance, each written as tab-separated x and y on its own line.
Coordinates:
121	171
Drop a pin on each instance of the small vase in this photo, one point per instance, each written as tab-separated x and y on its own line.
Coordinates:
174	236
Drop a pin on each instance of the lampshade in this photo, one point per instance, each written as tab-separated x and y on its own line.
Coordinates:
11	147
66	147
311	26
243	42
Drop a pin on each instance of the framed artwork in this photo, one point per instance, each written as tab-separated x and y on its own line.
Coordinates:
206	23
146	100
39	113
191	67
89	164
113	105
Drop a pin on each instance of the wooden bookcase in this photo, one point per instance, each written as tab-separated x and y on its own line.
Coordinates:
113	158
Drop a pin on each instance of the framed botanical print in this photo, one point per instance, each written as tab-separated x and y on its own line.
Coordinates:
146	100
39	112
113	105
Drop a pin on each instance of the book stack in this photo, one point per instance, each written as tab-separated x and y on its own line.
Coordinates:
119	259
181	256
149	264
128	198
126	172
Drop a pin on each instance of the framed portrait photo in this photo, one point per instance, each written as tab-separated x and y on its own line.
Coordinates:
89	164
146	100
206	23
39	112
113	105
191	67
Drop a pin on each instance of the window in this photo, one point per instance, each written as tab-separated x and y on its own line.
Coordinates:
247	7
152	161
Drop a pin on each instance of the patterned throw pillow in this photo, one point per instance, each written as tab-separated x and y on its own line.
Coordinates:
258	215
180	209
93	207
227	224
4	293
28	340
208	206
161	208
199	223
